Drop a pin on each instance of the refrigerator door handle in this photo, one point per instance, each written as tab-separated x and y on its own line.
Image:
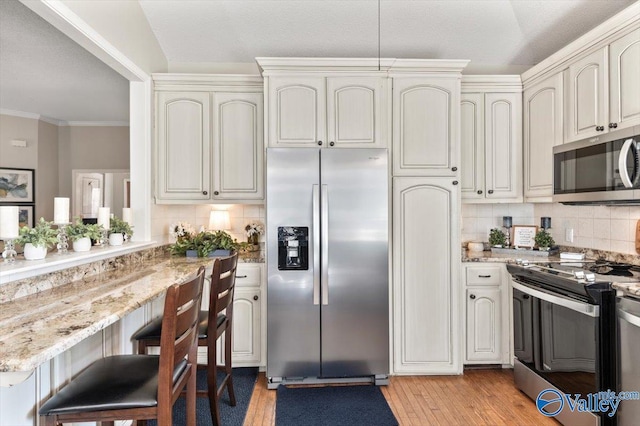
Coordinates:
316	244
324	229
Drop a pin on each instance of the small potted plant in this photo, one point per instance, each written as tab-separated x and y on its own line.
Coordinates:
82	233
497	238
37	240
544	240
119	230
202	244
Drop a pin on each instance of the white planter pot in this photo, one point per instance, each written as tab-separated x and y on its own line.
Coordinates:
32	252
116	239
83	244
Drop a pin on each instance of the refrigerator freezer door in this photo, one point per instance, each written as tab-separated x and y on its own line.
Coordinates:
293	320
355	317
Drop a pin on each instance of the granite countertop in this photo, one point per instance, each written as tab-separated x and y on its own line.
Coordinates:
489	256
629	288
37	327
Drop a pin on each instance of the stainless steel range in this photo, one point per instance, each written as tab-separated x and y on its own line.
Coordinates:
565	334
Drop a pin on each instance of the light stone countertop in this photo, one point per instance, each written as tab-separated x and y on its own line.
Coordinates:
489	256
628	288
36	328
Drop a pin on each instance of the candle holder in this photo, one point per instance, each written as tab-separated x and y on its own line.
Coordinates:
9	253
63	238
507	224
545	222
104	238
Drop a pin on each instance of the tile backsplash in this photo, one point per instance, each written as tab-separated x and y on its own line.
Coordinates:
162	216
479	219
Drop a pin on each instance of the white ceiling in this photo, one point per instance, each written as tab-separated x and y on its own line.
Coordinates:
43	72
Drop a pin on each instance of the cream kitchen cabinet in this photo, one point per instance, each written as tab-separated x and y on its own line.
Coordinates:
425	126
338	111
487	315
209	139
603	89
426	266
543	129
491	143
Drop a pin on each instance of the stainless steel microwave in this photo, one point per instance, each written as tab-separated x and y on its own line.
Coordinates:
599	170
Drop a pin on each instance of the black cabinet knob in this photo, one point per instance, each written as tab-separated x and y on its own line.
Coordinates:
204	193
455	182
613	125
255	297
490	191
600	128
332	143
526	296
319	142
479	191
454	169
472	296
216	193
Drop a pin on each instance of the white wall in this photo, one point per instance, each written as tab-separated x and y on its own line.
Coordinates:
47	170
240	214
479	219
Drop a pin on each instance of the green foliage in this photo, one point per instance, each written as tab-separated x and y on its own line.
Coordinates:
544	239
78	230
204	243
497	238
41	235
119	226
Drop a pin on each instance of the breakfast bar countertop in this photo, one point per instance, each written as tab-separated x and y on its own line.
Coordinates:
36	328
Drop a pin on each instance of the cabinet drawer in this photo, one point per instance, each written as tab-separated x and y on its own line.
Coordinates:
248	275
484	276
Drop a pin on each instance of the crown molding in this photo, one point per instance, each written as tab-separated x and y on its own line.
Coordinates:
190	81
94	124
485	83
31	115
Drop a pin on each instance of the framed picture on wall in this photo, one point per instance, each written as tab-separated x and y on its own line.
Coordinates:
25	216
17	185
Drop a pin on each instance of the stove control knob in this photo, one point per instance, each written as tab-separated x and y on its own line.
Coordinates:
578	275
590	277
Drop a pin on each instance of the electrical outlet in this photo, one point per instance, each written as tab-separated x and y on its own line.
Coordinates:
568	235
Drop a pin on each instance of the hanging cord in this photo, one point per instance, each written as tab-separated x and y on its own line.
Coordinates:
379	35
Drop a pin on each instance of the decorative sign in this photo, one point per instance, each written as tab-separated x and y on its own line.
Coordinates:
524	236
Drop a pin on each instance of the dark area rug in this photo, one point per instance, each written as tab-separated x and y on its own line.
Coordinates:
244	380
333	405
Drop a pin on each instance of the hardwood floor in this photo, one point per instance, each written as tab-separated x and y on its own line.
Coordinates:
479	397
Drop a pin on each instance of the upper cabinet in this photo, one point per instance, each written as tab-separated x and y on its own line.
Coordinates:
340	112
425	126
543	113
491	141
209	139
604	89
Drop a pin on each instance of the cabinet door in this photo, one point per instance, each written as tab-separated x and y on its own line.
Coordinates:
503	145
356	112
587	97
484	324
426	264
624	81
296	111
246	327
183	146
237	145
425	126
542	131
472	146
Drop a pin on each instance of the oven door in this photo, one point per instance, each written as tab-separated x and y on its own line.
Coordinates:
556	337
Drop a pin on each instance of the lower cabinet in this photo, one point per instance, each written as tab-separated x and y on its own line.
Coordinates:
426	264
487	313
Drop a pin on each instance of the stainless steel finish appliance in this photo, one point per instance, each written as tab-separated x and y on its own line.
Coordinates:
564	330
327	265
600	170
628	314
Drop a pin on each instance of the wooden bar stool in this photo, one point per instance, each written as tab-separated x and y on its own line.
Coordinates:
139	387
213	323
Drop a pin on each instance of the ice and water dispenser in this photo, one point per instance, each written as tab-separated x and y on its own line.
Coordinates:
293	248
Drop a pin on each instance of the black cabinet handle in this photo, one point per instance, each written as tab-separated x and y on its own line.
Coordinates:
613	125
216	193
484	276
479	191
472	296
455	182
332	143
454	169
255	297
319	142
490	191
526	296
205	193
241	276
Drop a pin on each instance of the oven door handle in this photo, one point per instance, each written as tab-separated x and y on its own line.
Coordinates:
583	308
631	319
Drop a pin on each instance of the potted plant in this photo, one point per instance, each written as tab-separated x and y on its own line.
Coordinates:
544	240
254	230
202	244
118	231
82	233
497	238
37	240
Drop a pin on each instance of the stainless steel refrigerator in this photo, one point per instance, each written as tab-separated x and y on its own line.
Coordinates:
327	265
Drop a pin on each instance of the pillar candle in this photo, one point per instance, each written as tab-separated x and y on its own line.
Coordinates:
104	215
127	216
60	210
9	222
